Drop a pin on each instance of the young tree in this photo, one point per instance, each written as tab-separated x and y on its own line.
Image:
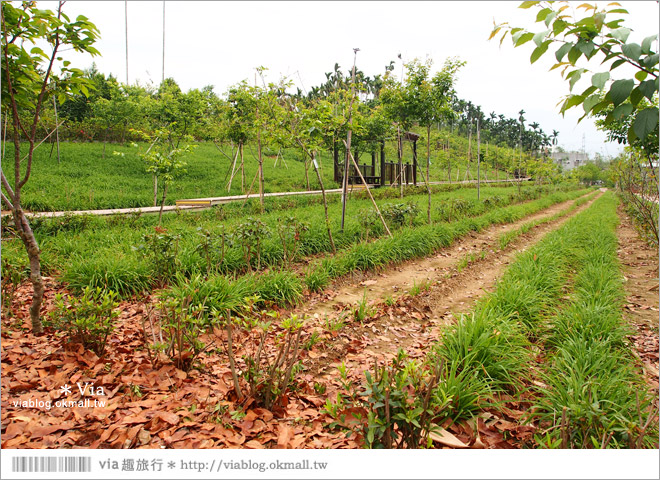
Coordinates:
164	161
28	76
429	101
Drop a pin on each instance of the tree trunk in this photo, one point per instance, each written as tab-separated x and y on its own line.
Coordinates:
261	172
325	204
366	187
34	254
162	203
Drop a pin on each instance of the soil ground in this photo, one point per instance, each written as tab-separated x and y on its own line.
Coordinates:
640	270
150	404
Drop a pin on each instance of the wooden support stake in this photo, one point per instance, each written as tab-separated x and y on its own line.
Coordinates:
369	192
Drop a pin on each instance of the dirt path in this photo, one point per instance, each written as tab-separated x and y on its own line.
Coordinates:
403	277
640	269
414	322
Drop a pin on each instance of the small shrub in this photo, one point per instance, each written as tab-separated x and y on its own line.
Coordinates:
290	231
213	248
250	235
395	407
268	377
160	248
400	214
88	319
175	330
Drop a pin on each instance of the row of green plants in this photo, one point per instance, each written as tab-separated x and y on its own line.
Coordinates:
410	243
128	256
506	238
591	394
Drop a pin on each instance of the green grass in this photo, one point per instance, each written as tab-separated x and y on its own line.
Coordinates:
85	179
595	396
104	251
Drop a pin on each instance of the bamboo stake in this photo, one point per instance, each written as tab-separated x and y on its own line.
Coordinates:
347	143
233	171
368	191
240	147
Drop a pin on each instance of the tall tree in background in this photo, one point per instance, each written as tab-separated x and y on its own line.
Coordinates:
28	76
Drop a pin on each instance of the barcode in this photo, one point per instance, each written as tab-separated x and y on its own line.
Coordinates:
51	464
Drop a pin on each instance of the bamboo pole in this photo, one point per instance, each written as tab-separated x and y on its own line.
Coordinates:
347	143
368	191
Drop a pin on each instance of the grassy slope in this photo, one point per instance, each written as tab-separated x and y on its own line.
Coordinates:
85	179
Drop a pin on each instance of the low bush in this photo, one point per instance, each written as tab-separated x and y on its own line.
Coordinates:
88	320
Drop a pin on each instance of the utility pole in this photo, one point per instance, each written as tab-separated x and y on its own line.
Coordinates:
126	30
348	143
163	75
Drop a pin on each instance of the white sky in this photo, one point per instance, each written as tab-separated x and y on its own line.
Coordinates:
221	43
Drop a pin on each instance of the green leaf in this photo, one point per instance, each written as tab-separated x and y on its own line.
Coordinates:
588	91
573	77
574	54
620	90
632	51
641	75
538	38
618	10
563	50
528	4
550	18
600	106
620	34
590	102
559	26
539	51
647	43
636	96
619	62
622	111
599	80
645	122
542	14
523	38
572	101
650	61
586	47
648	88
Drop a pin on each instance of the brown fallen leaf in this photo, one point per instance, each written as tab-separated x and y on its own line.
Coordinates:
169	417
442	436
285	436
